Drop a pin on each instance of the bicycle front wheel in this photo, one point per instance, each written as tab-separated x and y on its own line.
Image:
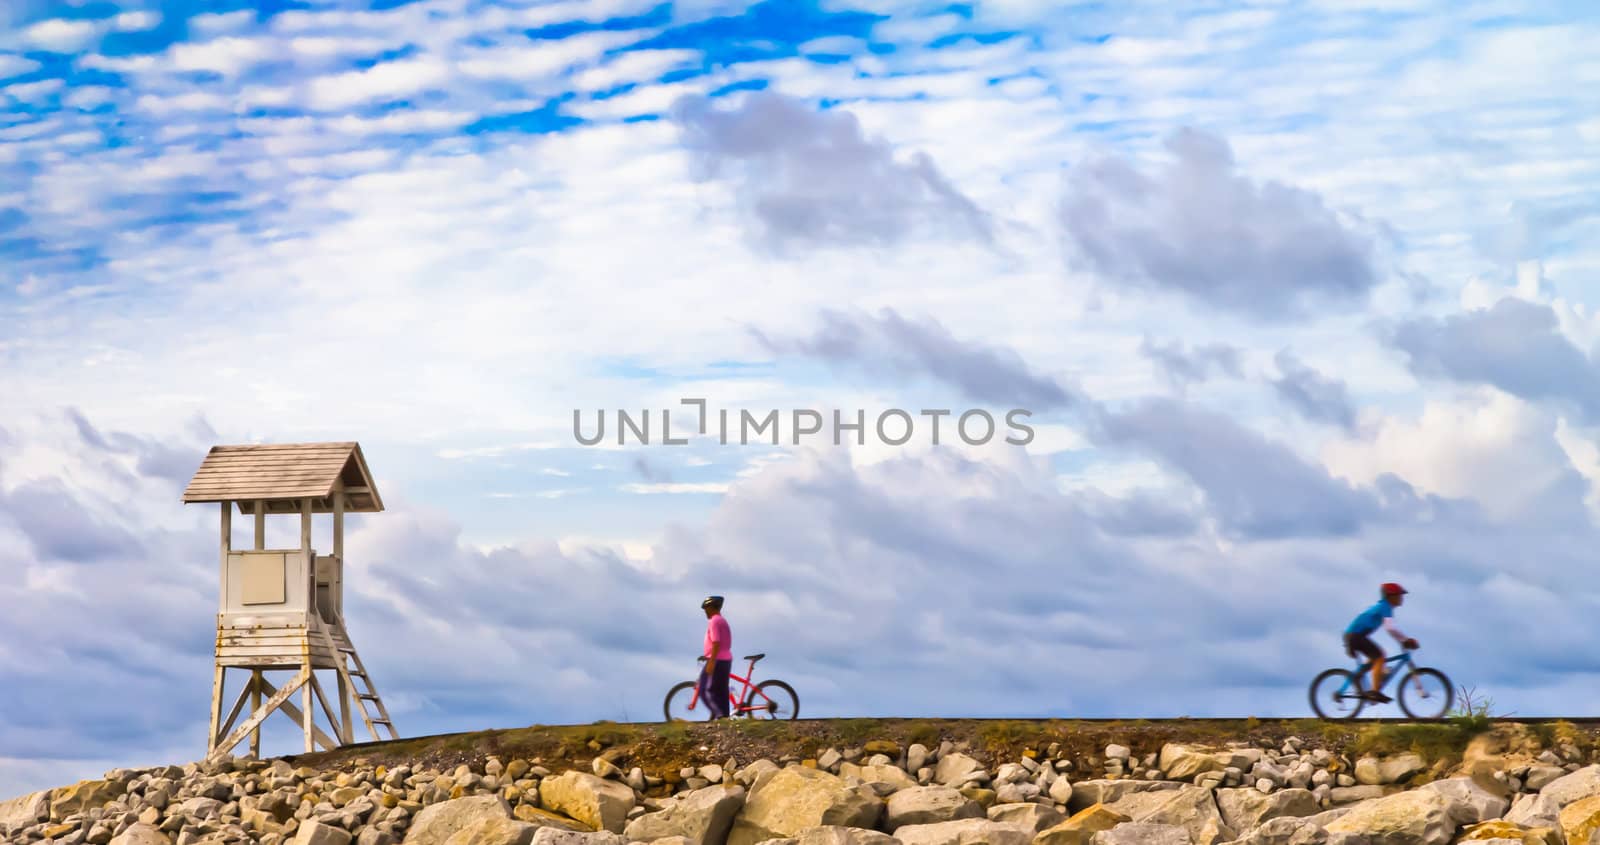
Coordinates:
681	706
1336	694
776	700
1426	694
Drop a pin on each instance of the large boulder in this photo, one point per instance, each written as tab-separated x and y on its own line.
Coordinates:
313	832
557	836
1474	794
1033	816
1190	808
1580	821
1142	833
24	810
1535	811
1286	830
140	833
894	776
1183	762
436	823
929	805
954	769
1249	808
964	832
1081	827
494	831
597	802
1417	817
1087	793
1580	784
84	795
1500	829
1373	771
789	801
702	817
838	835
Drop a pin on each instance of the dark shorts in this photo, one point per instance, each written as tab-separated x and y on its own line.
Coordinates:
1362	643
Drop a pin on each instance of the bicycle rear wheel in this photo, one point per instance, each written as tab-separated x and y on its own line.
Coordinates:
1426	694
1336	694
677	705
780	702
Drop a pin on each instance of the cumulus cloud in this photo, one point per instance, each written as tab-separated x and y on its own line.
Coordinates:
1315	396
813	177
1183	367
1255	487
1199	227
892	345
1515	346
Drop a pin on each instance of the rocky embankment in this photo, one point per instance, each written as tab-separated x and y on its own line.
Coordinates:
1508	786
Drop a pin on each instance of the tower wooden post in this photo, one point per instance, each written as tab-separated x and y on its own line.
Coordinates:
282	610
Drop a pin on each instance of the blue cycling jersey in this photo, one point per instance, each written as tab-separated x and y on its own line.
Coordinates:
1372	618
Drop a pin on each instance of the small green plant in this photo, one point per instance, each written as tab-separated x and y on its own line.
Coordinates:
857	731
924	733
1472	713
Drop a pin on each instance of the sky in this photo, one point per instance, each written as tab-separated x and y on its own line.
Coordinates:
1292	299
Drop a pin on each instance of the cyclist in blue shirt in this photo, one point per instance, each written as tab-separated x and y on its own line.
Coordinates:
1358	637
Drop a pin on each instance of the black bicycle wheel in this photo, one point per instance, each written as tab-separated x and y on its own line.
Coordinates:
676	707
1336	694
1426	694
780	702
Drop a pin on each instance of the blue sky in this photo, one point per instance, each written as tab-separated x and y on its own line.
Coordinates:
1302	296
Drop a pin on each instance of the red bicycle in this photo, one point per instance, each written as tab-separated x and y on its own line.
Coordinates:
766	700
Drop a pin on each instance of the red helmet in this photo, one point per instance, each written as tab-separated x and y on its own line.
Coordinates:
1393	589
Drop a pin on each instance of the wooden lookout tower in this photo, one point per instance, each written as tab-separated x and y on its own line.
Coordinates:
282	610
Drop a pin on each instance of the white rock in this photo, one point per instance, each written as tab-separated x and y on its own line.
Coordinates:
964	832
702	817
1479	802
1141	833
316	833
1117	752
929	805
599	803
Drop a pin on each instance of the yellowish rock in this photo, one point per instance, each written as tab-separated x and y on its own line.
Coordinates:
84	795
1502	829
1580	821
1081	826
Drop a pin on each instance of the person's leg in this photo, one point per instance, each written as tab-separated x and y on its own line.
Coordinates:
719	685
1369	649
707	700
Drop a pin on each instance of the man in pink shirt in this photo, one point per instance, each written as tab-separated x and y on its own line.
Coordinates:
718	652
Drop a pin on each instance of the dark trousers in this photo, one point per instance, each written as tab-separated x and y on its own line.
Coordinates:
714	688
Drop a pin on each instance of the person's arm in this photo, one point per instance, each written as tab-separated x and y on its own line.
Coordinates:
1388	625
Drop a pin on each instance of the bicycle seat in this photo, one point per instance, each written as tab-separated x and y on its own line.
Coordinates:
754	657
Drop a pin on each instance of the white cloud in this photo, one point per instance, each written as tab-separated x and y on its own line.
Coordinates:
676	487
1486	445
538	60
136	21
227	56
14	65
31	91
387	80
62	36
637	66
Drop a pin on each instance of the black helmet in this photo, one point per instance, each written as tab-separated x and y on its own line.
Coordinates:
712	601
